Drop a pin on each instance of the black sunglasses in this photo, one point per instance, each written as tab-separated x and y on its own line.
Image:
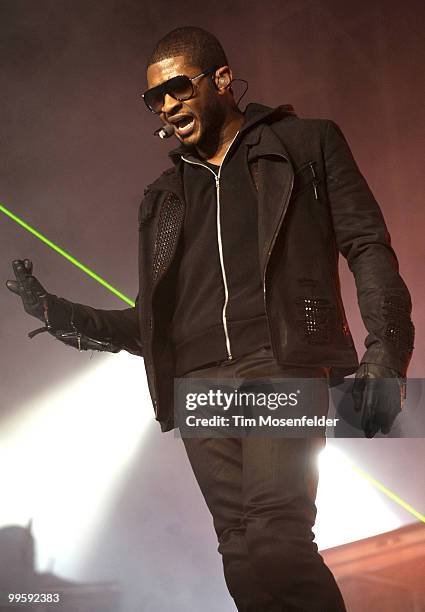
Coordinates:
180	88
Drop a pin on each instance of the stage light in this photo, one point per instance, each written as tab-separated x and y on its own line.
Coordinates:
349	506
64	456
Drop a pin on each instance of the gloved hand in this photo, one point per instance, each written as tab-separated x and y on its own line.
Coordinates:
38	303
30	290
379	393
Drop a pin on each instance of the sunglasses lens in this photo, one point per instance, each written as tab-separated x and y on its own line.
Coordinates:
154	99
179	87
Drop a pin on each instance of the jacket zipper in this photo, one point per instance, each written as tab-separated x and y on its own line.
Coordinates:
270	249
220	243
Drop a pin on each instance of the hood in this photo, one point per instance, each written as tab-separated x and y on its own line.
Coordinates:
254	114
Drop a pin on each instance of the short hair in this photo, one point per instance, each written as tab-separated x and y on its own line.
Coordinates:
202	47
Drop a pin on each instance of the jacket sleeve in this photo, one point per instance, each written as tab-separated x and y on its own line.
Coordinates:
119	327
363	239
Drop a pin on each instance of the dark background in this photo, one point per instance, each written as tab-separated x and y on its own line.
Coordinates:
77	151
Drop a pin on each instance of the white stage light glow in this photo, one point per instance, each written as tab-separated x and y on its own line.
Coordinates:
62	461
349	507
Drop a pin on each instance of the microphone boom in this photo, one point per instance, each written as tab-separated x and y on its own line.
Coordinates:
165	131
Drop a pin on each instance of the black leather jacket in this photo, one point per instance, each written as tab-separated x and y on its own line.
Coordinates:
313	204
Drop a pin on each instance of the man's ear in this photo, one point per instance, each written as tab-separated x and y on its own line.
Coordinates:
223	79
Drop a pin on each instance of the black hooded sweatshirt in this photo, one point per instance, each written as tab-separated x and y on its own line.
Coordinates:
219	310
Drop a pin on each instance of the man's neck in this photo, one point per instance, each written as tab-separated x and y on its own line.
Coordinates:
229	131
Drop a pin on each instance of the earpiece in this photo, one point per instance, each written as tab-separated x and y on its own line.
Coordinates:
221	82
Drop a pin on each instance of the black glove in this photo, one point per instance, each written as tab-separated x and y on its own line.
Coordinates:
30	290
379	393
38	303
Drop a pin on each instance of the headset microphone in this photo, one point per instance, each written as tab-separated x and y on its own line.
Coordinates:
165	131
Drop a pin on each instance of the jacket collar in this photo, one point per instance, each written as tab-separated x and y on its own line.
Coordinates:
262	141
254	115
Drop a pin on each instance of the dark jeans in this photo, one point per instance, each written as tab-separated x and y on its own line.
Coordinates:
261	494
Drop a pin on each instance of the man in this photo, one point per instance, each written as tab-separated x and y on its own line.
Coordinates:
238	266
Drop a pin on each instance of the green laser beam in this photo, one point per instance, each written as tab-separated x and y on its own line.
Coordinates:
387	492
67	256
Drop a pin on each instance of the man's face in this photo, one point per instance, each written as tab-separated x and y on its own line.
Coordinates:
198	121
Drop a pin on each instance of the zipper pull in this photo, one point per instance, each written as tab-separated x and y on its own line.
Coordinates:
315	181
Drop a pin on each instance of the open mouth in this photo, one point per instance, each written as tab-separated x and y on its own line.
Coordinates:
185	125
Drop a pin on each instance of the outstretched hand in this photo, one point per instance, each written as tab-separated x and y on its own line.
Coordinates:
378	393
28	288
